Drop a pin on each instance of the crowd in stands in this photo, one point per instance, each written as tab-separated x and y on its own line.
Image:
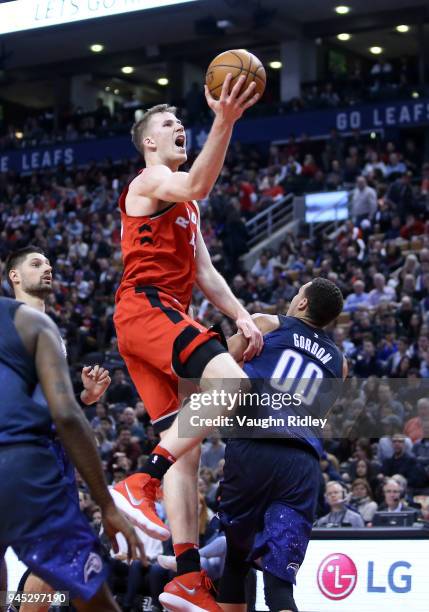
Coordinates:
384	80
377	457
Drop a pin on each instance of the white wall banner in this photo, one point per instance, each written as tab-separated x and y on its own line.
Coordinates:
30	14
356	575
344	576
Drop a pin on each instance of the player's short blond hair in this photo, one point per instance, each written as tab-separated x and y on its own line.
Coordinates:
139	127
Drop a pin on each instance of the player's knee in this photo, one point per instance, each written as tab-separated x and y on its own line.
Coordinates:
224	375
25	578
30	583
278	594
222	366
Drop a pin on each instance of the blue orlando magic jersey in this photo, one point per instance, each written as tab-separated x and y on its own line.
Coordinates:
299	370
22	419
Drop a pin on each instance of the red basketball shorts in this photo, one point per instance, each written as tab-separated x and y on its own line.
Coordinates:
149	325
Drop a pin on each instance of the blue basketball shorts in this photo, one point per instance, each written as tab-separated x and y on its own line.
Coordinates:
268	500
42	521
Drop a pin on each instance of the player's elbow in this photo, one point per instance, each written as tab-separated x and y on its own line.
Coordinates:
206	277
201	192
201	280
63	420
199	188
66	415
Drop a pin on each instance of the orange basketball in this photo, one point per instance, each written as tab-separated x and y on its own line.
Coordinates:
237	62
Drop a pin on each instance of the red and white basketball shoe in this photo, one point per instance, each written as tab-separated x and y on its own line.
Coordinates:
189	593
136	496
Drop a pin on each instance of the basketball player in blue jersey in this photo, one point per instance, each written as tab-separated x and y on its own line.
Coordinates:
29	274
40	516
270	486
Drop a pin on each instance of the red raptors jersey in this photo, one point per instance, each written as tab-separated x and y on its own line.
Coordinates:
159	250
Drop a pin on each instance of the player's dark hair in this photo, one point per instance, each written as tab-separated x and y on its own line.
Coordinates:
15	258
324	301
139	127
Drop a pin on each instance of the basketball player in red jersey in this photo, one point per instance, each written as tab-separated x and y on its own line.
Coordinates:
164	256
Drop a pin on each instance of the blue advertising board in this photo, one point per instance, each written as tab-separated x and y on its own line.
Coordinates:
70	154
407	113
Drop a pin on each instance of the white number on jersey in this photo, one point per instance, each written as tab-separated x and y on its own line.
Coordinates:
291	376
193	243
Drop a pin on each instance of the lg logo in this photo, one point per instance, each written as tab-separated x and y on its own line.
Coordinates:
337	576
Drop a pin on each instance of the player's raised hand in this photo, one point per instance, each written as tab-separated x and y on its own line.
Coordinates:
115	522
252	334
96	381
232	104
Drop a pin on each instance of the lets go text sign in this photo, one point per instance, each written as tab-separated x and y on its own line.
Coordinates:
23	15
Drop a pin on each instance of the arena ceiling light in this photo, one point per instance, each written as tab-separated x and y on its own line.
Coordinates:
342	9
162	81
97	48
403	28
223	24
275	65
21	15
127	69
376	50
344	36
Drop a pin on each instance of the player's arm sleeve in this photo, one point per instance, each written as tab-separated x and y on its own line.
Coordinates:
237	343
71	424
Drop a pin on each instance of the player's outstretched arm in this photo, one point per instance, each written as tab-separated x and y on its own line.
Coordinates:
238	343
161	183
217	291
